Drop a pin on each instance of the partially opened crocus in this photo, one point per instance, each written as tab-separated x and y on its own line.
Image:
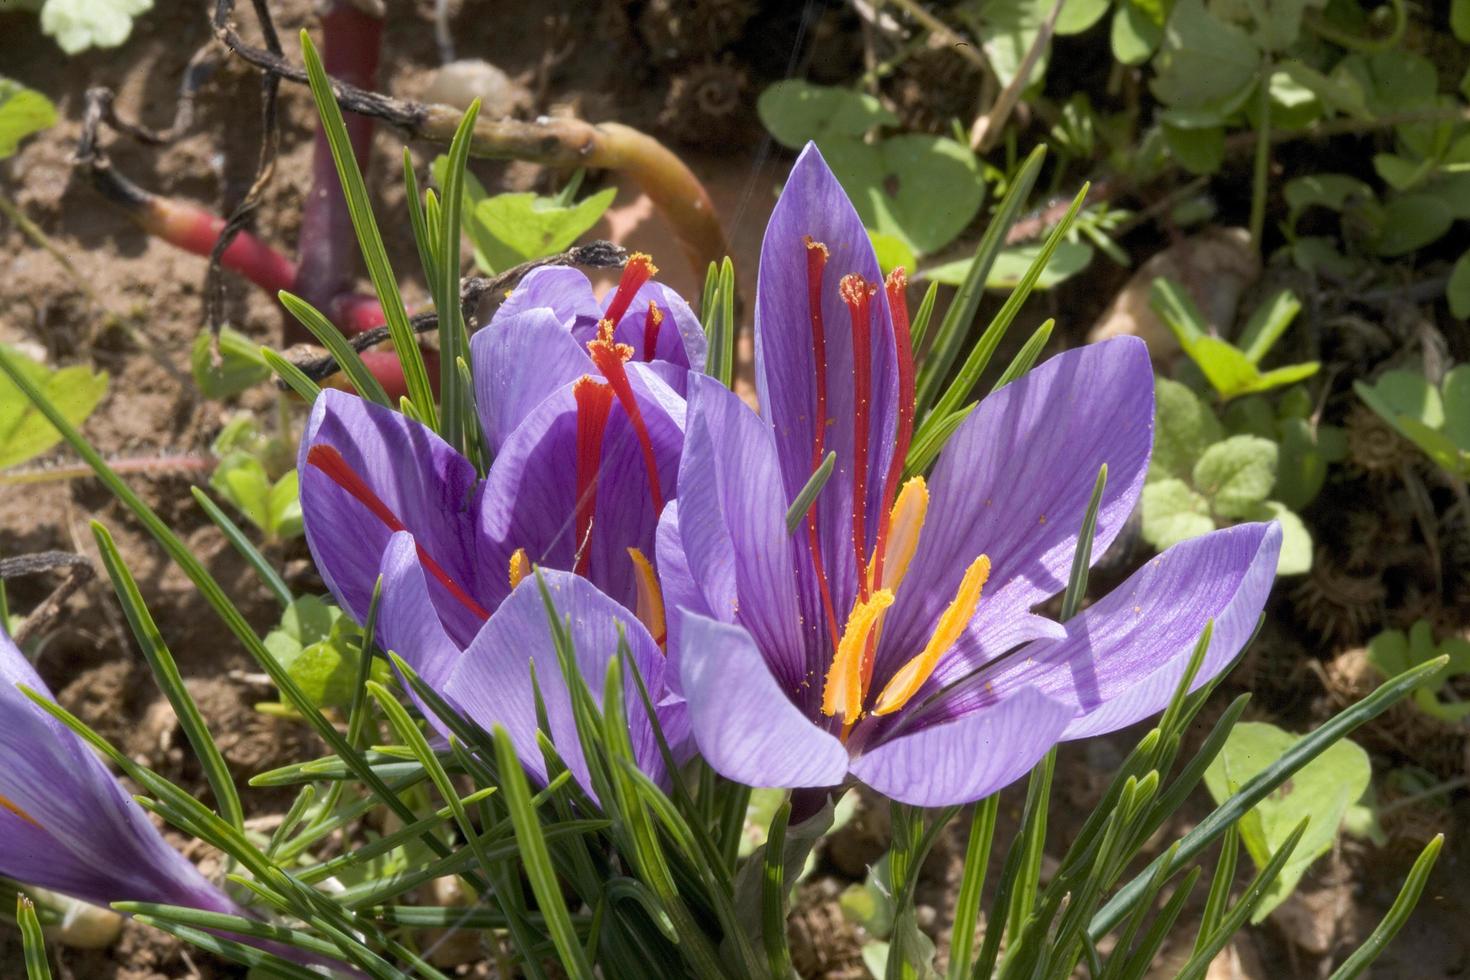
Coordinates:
577	483
67	824
575	488
892	637
550	318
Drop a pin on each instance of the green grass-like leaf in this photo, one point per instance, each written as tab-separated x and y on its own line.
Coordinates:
369	239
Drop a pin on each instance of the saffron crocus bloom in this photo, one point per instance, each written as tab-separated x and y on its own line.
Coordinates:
67	824
891	638
576	485
551	316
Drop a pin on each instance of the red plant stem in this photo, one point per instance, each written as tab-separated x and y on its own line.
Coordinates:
195	230
352	42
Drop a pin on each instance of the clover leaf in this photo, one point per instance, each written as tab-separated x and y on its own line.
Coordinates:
1437	420
24	431
23	111
1324	790
1231	371
1392	652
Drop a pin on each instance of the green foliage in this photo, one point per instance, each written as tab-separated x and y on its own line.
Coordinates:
1323	792
508	229
255	475
1202	477
1436	419
318	646
1392	652
24	431
1231	370
1304	447
239	364
920	190
23	111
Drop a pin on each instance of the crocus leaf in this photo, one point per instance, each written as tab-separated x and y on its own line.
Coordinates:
24	431
520	227
80	24
1236	474
796	848
240	364
1322	790
1012	262
23	111
796	111
1172	512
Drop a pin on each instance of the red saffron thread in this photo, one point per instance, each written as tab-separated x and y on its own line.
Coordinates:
650	331
330	461
895	285
609	358
639	270
816	265
858	294
594	403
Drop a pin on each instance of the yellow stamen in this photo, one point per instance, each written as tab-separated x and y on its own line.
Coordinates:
650	597
905	521
912	675
7	805
520	567
844	690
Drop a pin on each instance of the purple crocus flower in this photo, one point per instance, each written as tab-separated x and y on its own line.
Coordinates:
547	322
586	441
861	645
67	824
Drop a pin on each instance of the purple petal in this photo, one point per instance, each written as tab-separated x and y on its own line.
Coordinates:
968	758
408	624
681	339
519	360
733	527
492	682
676	580
813	203
746	728
1123	657
530	495
1014	482
428	486
563	290
89	839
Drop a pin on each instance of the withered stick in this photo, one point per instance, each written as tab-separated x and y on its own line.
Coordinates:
556	142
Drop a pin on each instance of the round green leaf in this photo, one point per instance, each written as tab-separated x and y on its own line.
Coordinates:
1237	474
1172	513
796	111
23	111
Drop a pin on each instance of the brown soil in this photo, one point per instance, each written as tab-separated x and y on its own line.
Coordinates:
150	309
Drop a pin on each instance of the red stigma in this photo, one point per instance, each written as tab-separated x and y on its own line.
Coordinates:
816	265
330	461
609	358
858	295
594	403
639	270
898	306
650	331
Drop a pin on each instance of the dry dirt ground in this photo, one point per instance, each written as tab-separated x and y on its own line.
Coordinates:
148	308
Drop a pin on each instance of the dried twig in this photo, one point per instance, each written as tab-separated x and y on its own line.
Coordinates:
79	571
472	289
